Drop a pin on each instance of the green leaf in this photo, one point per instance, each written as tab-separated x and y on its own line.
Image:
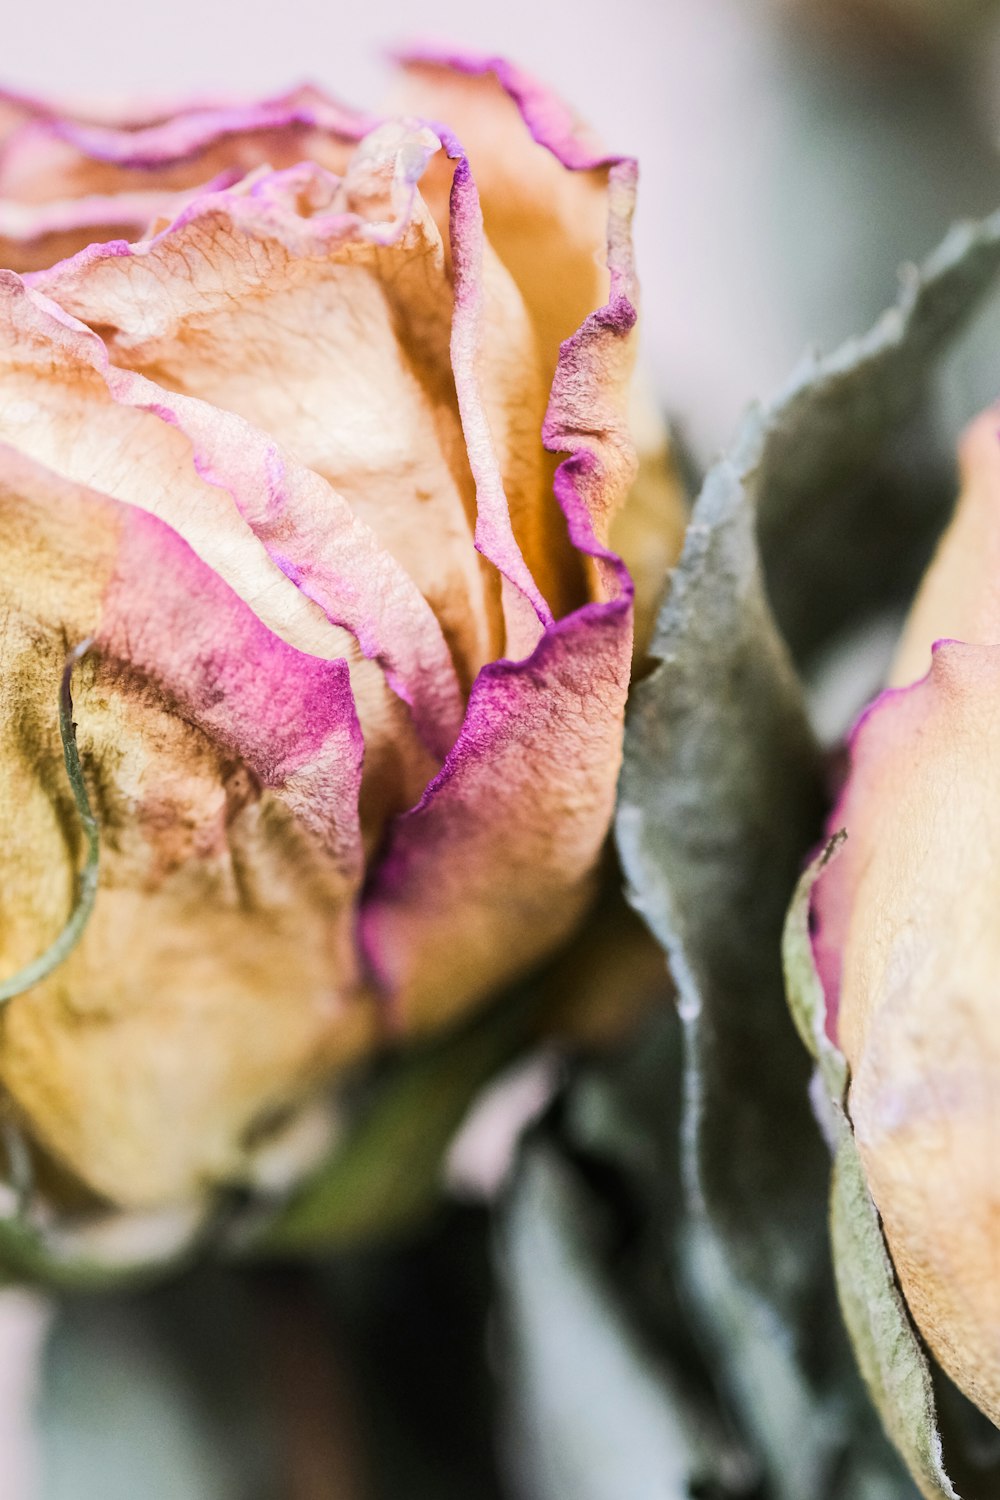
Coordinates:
723	791
86	892
887	1348
803	987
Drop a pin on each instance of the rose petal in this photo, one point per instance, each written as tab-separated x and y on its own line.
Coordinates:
57	403
542	180
307	529
540	188
908	935
215	977
33	236
225	306
495	863
58	155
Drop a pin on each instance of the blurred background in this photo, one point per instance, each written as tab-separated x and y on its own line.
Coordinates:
793	156
794	152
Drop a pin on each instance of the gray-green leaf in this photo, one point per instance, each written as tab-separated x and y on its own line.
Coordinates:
887	1349
592	1414
723	791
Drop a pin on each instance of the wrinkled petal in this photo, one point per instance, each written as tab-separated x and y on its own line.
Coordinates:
225	306
494	533
63	155
495	864
909	949
307	529
61	403
648	531
530	191
542	180
33	236
215	977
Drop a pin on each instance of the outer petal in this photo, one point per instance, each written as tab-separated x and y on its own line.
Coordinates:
215	978
909	945
543	188
61	155
529	195
225	306
62	404
494	865
307	529
33	236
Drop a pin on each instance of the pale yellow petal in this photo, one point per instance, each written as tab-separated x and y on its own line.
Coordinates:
334	344
911	908
215	980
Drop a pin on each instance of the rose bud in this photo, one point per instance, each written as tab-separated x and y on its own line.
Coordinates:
313	426
908	940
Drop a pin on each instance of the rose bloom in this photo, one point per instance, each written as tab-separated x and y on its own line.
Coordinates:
908	940
312	431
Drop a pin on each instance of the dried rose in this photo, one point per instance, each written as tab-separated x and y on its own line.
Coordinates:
908	941
316	433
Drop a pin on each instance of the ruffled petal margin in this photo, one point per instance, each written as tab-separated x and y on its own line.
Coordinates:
496	862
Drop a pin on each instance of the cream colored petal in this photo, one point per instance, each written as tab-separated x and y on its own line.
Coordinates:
334	344
648	532
909	913
56	406
215	980
546	223
514	386
497	862
56	154
532	545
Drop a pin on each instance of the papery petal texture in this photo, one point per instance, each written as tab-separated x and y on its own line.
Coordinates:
225	765
494	865
315	426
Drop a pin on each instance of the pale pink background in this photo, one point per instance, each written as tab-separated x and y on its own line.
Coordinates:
675	81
